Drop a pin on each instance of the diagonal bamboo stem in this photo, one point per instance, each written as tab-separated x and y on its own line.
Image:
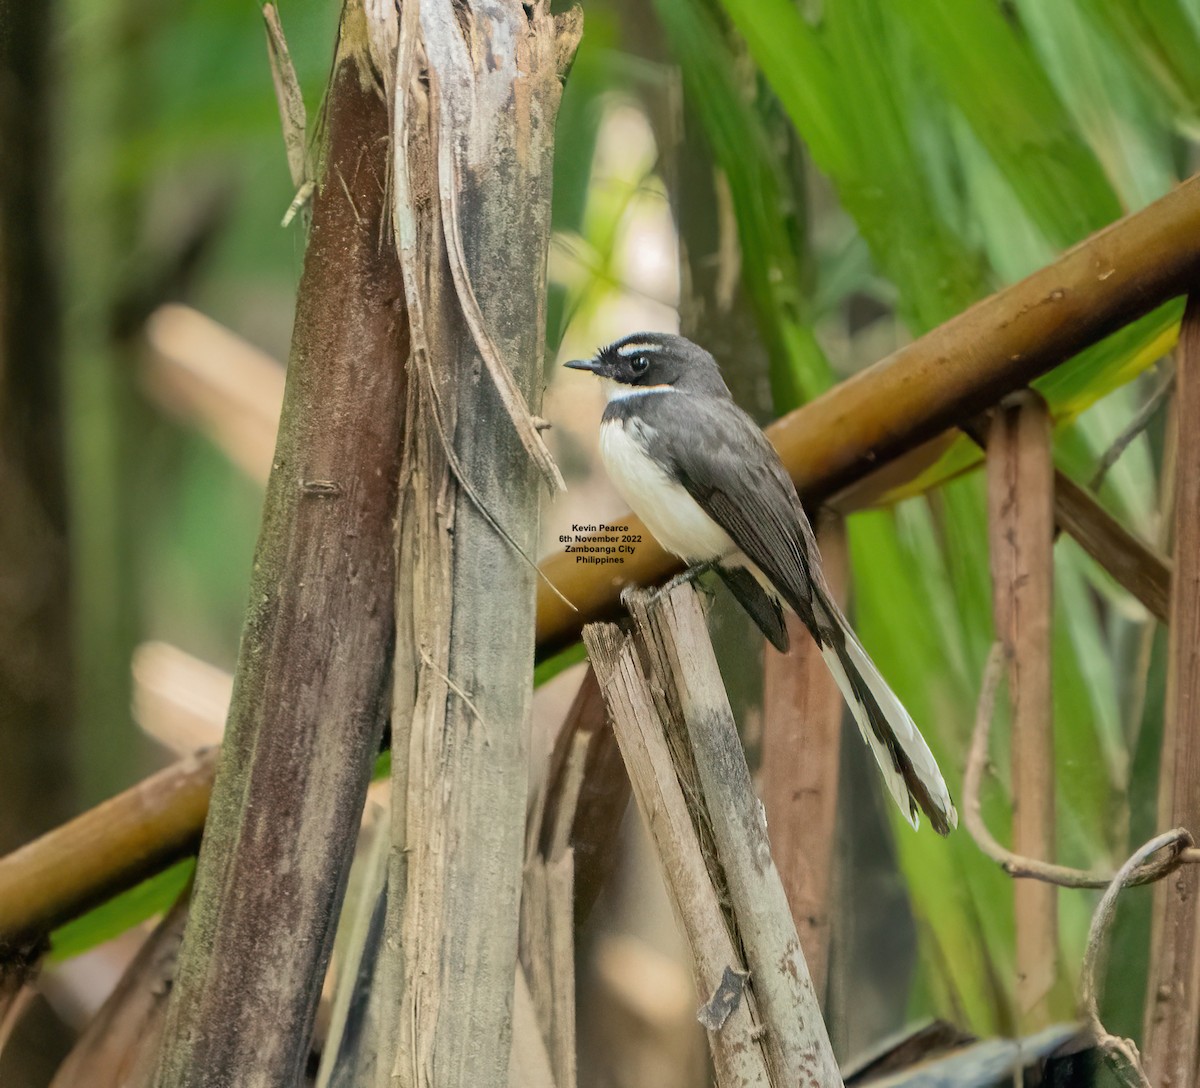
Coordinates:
736	1043
946	377
1113	277
672	628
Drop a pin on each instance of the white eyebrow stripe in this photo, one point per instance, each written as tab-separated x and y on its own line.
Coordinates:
637	348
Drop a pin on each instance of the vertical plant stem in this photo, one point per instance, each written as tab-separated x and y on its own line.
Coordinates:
1173	1011
476	93
801	747
1021	517
310	691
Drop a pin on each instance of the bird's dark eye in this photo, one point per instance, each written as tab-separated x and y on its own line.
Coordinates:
641	364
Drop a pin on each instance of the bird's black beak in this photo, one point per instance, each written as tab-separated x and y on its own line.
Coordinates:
594	365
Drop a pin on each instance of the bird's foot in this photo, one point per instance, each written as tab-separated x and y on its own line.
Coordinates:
683	578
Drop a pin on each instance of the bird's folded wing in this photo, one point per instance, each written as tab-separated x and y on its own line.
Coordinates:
736	477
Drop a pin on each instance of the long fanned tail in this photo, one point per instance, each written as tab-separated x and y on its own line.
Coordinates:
908	766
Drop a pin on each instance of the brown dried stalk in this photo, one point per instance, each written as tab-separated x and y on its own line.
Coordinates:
603	793
801	746
1172	1032
310	693
119	1046
1020	477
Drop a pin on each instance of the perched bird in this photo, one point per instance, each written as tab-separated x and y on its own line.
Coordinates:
711	488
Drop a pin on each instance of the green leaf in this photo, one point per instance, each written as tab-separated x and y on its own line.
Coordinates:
993	78
552	666
741	148
1096	75
148	899
840	89
1162	41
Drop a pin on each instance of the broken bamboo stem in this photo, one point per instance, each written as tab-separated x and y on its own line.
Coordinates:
734	1033
673	627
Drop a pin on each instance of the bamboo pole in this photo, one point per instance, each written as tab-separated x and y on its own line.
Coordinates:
1021	518
310	692
1111	278
105	851
946	377
1171	1043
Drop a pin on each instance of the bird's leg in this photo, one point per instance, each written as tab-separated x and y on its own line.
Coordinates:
686	576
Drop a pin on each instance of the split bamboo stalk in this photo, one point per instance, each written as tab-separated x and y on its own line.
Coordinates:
734	1033
310	692
941	379
801	749
1021	515
1173	1011
547	944
529	1066
673	629
475	90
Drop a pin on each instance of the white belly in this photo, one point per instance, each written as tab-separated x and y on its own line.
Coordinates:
670	513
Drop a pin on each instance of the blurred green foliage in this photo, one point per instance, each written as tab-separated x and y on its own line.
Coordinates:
948	147
968	142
